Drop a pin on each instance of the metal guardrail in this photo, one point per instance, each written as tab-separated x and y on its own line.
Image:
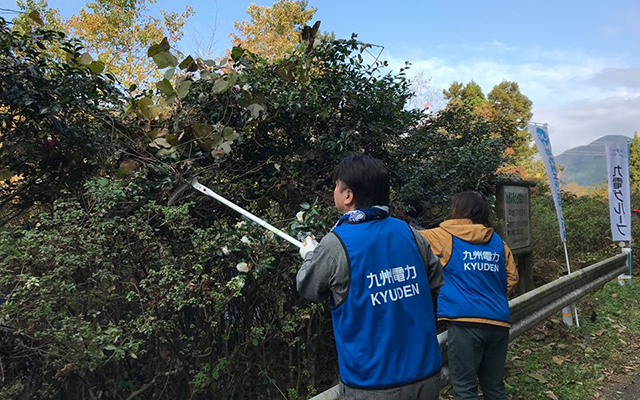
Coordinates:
537	305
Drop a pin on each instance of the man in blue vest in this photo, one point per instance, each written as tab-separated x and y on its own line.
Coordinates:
380	275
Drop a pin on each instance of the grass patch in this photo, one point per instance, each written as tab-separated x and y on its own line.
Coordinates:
553	361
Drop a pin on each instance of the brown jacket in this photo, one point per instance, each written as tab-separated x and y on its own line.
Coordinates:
441	242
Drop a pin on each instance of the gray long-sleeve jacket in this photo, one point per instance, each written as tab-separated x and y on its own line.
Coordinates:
325	271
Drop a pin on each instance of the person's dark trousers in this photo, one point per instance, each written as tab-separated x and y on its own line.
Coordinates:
477	354
424	389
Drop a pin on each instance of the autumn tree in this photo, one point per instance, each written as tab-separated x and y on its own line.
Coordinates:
470	94
513	108
505	104
36	14
273	32
119	32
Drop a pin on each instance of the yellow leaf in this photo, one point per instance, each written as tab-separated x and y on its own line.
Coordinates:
35	16
85	59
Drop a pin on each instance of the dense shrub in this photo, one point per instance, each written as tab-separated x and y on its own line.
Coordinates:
56	117
587	229
111	294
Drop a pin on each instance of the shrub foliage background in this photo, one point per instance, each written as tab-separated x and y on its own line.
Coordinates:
110	294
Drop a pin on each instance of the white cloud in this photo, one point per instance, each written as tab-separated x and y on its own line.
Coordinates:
543	83
581	97
617	77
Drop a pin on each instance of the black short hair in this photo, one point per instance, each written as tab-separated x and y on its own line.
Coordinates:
471	205
367	177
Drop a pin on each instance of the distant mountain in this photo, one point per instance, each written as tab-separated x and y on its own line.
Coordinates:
586	165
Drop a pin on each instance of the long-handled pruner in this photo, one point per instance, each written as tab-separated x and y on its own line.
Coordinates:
203	189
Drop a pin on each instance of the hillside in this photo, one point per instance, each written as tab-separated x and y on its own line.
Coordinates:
586	165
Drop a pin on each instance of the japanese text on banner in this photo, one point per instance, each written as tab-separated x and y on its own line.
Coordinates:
619	193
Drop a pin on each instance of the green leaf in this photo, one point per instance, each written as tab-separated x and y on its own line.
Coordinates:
85	59
220	85
133	87
145	102
255	109
165	87
217	139
5	174
169	73
305	206
152	134
157	48
210	63
110	347
232	78
202	130
165	59
236	53
35	16
229	134
245	98
207	144
172	139
147	108
186	62
183	89
97	67
153	50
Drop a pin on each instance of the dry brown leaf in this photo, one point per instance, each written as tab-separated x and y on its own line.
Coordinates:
538	377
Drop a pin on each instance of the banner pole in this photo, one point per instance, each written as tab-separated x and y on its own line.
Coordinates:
630	265
631	219
540	133
566	255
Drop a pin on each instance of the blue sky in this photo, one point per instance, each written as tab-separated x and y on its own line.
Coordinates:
578	61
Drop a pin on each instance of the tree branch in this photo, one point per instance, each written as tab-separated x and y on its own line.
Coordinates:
149	385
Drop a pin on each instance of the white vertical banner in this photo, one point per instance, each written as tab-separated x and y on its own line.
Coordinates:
540	134
619	192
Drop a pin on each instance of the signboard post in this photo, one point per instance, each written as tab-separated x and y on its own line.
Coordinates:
517	208
513	205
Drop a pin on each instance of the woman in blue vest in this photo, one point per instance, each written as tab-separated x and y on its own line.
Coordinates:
479	273
380	276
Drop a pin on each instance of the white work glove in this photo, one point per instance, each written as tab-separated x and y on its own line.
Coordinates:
308	244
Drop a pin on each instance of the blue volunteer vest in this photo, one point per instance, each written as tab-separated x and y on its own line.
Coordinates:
385	327
475	282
